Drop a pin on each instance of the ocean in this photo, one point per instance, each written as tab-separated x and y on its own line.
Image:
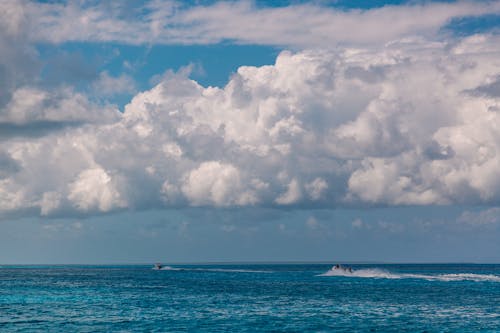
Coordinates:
251	298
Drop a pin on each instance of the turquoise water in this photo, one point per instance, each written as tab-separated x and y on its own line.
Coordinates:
299	298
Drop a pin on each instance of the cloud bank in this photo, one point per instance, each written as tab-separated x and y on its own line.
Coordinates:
410	123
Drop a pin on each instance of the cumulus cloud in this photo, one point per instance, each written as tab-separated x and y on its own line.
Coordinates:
171	22
33	112
316	188
379	116
391	125
292	194
214	183
94	189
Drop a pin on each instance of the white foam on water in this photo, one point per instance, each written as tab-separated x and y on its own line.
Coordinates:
384	274
461	277
170	268
166	268
228	270
363	273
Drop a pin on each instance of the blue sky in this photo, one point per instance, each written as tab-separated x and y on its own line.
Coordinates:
249	131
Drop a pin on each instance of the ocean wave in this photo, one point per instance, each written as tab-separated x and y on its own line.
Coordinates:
384	274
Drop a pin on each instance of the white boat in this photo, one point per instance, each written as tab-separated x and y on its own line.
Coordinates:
158	266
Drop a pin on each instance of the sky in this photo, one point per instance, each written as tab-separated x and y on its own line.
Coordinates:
249	131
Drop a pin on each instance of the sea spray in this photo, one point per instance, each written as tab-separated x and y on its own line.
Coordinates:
384	274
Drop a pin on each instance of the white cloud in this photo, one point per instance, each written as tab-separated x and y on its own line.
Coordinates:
18	59
213	183
169	22
94	189
12	197
317	188
292	194
107	85
31	105
396	125
50	202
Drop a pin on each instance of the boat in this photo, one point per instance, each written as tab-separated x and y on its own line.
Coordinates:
158	266
340	268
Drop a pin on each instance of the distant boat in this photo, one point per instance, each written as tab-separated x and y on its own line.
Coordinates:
158	266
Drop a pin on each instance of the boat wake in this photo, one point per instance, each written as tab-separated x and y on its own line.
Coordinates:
227	270
383	274
168	268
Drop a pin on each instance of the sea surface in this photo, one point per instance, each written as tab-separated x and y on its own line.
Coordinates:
251	298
